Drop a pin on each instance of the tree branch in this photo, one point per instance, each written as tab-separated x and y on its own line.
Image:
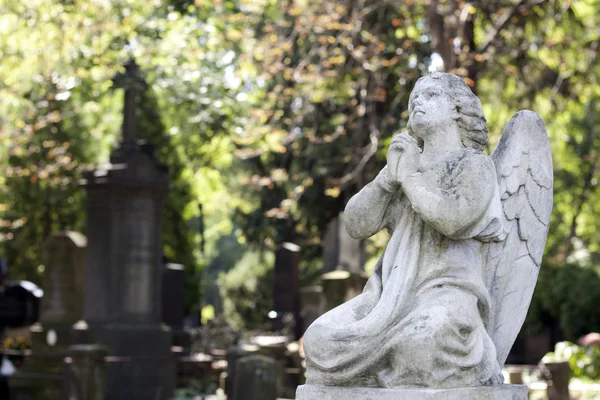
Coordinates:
505	18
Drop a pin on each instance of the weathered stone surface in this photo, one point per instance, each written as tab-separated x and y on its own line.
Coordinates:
503	392
256	378
451	291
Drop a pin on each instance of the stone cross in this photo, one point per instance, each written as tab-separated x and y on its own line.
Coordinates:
123	270
134	86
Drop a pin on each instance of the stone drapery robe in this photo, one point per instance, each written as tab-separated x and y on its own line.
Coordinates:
421	319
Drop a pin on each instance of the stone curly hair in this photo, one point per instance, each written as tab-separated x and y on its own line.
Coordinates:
471	120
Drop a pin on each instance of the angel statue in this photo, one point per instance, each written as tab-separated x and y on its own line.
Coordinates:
451	291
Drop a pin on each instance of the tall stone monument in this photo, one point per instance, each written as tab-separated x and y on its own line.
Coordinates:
446	301
286	290
122	306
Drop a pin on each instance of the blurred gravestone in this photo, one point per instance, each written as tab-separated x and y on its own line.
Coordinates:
173	303
255	378
343	265
123	274
340	286
286	291
61	307
313	304
63	280
340	251
85	372
557	375
234	353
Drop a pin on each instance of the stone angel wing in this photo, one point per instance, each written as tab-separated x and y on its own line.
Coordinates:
524	170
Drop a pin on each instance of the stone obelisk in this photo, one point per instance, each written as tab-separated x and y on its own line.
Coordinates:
122	307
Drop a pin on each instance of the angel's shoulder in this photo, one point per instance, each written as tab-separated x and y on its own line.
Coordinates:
473	162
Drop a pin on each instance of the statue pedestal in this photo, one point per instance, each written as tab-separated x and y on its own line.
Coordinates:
320	392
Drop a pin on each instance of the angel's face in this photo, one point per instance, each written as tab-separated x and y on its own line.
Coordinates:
430	108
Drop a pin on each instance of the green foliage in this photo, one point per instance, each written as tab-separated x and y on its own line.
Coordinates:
568	294
247	291
331	84
60	116
584	361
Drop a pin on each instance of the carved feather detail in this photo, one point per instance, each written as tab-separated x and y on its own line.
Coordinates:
524	170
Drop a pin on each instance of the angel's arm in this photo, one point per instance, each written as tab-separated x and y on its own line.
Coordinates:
366	212
454	212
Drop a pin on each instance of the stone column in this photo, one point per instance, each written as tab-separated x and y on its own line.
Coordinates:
123	273
173	304
286	290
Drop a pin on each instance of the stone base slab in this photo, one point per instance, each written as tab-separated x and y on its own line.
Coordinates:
501	392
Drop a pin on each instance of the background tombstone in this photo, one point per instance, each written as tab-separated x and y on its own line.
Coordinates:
343	265
173	303
61	306
340	286
63	280
255	378
340	251
85	372
286	288
313	305
123	274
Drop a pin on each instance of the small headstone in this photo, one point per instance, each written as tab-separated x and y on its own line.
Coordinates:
256	378
173	281
341	286
340	251
173	303
61	307
286	291
558	375
64	261
313	304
